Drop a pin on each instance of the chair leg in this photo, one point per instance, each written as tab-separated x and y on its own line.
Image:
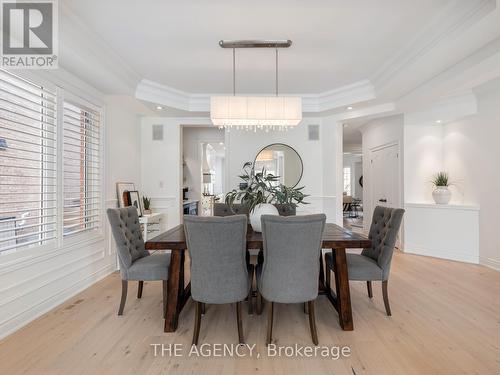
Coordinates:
270	323
386	298
140	286
240	324
197	322
369	287
124	297
260	303
165	288
312	323
306	308
203	308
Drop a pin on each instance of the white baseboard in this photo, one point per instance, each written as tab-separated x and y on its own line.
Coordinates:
23	318
442	254
491	263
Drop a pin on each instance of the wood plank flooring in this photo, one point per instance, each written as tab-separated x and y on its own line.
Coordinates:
446	320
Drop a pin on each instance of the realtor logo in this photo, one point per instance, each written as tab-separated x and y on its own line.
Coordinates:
29	34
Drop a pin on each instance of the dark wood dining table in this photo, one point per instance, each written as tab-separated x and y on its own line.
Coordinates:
335	239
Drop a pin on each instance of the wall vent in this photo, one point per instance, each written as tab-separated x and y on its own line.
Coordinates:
313	132
157	132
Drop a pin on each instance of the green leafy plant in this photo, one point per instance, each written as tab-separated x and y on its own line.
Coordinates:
147	202
441	179
262	187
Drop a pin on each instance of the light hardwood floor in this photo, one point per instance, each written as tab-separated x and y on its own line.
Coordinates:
446	320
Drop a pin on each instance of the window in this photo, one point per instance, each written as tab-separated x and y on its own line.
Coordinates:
81	169
347	181
28	159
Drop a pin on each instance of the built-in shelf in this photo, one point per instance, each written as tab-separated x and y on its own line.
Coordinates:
444	231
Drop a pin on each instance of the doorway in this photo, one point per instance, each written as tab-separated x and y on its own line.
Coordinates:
203	169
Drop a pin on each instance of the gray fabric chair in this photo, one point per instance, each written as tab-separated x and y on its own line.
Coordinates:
290	273
219	275
135	261
374	264
222	209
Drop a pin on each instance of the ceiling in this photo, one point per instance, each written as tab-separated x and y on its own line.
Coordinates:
335	43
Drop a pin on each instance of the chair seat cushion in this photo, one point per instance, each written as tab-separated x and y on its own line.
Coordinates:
359	267
150	268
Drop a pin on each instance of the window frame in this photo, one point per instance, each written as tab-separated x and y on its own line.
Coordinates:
72	89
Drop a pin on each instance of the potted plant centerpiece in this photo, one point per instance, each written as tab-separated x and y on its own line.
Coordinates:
441	193
259	191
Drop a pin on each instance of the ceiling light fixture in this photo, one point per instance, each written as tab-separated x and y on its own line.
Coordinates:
159	107
255	112
438	121
349	108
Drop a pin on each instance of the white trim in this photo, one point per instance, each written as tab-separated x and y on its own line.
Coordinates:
466	207
490	263
157	93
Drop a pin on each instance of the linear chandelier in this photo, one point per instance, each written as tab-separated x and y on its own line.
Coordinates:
255	112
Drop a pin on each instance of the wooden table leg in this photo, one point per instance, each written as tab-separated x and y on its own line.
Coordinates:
342	286
175	290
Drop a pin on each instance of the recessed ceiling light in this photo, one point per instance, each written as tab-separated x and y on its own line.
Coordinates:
349	108
221	143
159	107
438	121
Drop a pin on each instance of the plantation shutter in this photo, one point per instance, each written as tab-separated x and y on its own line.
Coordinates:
81	169
28	156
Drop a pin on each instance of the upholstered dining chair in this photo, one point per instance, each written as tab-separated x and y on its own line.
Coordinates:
219	275
290	273
374	264
135	261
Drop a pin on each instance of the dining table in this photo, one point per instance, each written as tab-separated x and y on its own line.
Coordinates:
335	239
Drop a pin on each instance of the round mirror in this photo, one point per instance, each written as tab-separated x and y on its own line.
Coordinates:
280	160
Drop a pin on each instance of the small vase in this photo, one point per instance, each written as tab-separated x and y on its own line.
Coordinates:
258	211
441	195
147	212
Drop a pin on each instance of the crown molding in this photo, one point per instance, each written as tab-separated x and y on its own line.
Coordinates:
453	19
311	103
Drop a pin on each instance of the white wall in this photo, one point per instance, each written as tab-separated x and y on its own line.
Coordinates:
191	139
377	133
472	156
161	161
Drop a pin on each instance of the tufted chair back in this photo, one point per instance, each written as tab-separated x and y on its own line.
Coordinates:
222	209
128	236
383	233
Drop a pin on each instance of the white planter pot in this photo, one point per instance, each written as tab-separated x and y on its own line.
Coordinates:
258	211
441	195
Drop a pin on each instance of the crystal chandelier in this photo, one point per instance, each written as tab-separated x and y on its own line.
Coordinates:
255	112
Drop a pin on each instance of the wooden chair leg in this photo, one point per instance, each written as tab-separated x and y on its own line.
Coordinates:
270	323
250	293
260	303
124	297
306	308
197	322
140	286
164	288
203	308
240	323
312	322
386	298
369	287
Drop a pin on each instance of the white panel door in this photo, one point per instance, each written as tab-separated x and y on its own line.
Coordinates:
385	177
